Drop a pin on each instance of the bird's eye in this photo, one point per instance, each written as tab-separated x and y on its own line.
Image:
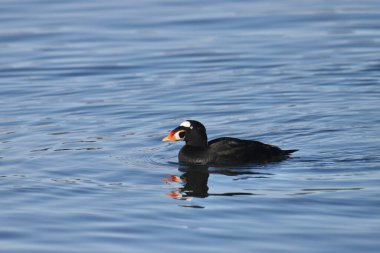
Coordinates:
180	135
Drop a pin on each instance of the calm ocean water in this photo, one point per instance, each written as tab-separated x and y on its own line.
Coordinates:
89	88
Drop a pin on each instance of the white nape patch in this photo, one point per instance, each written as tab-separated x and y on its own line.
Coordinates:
186	124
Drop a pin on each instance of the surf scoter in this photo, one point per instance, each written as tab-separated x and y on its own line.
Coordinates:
221	151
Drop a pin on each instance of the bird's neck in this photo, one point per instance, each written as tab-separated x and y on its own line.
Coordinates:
202	143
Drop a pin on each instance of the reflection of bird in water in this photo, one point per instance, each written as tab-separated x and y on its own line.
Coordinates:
221	151
195	181
194	184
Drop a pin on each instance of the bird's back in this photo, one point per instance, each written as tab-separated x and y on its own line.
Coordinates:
227	150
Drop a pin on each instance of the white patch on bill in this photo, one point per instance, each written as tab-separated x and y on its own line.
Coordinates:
186	124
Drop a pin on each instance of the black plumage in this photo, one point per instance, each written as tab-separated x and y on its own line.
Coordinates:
221	151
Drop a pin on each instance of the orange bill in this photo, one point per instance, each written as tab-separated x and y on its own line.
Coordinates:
173	136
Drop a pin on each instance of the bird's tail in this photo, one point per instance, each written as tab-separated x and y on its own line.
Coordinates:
289	151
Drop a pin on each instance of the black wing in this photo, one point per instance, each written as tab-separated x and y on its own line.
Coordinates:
233	150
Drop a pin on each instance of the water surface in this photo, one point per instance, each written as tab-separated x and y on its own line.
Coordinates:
88	90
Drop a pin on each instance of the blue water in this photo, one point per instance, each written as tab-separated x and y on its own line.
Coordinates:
89	88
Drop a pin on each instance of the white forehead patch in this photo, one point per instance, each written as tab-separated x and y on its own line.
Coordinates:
186	124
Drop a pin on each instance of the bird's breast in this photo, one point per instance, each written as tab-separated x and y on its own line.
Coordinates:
194	155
